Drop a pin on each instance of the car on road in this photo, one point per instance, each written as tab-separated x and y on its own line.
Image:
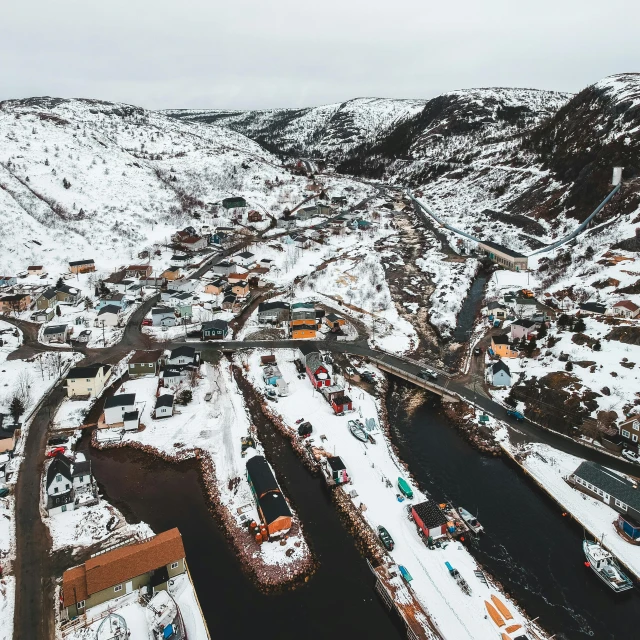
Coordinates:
385	538
54	452
428	374
350	371
57	440
477	351
631	456
147	322
512	413
367	376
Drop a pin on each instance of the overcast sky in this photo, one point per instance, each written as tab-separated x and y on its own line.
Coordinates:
277	53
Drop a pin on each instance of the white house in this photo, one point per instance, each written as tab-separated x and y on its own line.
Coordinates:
66	481
87	381
109	316
500	375
172	377
625	309
163	317
164	406
245	259
117	405
522	328
183	356
56	333
184	285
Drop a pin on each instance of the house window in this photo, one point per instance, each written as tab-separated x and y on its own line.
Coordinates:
620	504
55	490
117	588
80	604
636	425
81	478
625	433
174	565
634	437
58	478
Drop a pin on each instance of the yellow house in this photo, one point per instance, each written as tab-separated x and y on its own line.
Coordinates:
87	381
216	287
502	347
303	328
241	289
172	273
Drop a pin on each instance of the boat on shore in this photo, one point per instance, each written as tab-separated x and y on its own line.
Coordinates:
604	565
405	489
164	619
470	520
357	431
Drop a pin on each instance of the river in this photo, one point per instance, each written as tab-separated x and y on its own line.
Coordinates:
529	546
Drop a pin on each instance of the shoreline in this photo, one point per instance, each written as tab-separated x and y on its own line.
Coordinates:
266	577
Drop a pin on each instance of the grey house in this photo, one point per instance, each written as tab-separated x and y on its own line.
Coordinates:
273	312
57	333
500	375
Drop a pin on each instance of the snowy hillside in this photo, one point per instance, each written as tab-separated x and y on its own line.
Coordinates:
329	130
85	178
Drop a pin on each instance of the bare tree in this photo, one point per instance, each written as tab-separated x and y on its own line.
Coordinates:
22	388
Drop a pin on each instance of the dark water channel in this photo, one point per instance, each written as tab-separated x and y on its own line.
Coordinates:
338	599
529	547
470	307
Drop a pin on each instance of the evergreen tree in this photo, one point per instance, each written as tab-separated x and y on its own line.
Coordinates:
579	325
58	312
568	366
16	408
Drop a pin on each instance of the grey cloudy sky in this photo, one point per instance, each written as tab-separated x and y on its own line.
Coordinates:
258	54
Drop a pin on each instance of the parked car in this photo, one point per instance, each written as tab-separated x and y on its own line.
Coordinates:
477	351
147	322
54	452
4	492
512	413
428	375
350	371
631	456
368	377
56	440
385	538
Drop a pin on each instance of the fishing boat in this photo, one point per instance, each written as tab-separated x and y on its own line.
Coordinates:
470	520
164	618
405	489
357	431
605	566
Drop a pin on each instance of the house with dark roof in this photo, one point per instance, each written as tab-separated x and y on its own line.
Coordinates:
164	406
274	312
183	356
66	482
519	329
234	202
215	330
87	381
123	570
145	363
163	317
57	333
430	519
334	321
317	372
272	506
501	346
592	308
503	255
615	490
82	266
337	398
500	374
116	406
337	470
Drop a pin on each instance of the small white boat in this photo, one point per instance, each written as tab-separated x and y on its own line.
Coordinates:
604	565
470	520
163	616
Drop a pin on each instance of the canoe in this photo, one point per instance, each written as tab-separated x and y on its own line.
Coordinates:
513	627
404	487
502	607
495	616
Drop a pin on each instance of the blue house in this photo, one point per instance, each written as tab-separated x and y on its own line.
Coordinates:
115	299
8	281
500	375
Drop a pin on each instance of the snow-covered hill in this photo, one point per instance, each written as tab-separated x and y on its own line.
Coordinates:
85	178
330	130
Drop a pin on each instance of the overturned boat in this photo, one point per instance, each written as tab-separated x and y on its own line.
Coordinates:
357	431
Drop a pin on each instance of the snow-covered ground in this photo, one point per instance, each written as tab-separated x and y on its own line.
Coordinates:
214	427
135	614
370	466
550	467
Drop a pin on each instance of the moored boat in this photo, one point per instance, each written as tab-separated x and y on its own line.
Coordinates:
357	431
164	619
405	489
470	520
604	565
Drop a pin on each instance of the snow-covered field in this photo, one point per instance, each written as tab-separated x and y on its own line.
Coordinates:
214	427
549	467
456	614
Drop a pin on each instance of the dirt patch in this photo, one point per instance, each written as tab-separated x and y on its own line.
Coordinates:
625	334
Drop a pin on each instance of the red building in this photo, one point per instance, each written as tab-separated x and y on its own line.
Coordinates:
317	372
430	519
337	399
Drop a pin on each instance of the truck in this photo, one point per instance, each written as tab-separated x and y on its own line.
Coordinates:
512	413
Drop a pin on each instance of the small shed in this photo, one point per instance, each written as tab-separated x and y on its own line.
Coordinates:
265	360
338	470
430	519
131	420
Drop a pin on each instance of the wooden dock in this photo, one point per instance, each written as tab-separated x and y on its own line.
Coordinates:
398	595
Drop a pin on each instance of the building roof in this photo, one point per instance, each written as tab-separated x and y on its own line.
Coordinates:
120	400
314	362
55	330
81	468
269	306
305	349
592	307
246	255
274	506
165	400
78	263
495	305
527	324
34	267
138	267
188	352
500	366
302	305
60	465
627	304
610	482
119	565
131	415
172	269
503	339
215	324
110	308
336	463
502	249
171	372
261	476
332	317
90	371
157	311
49	293
140	357
430	514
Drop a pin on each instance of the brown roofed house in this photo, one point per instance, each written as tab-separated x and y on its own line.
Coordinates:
123	570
